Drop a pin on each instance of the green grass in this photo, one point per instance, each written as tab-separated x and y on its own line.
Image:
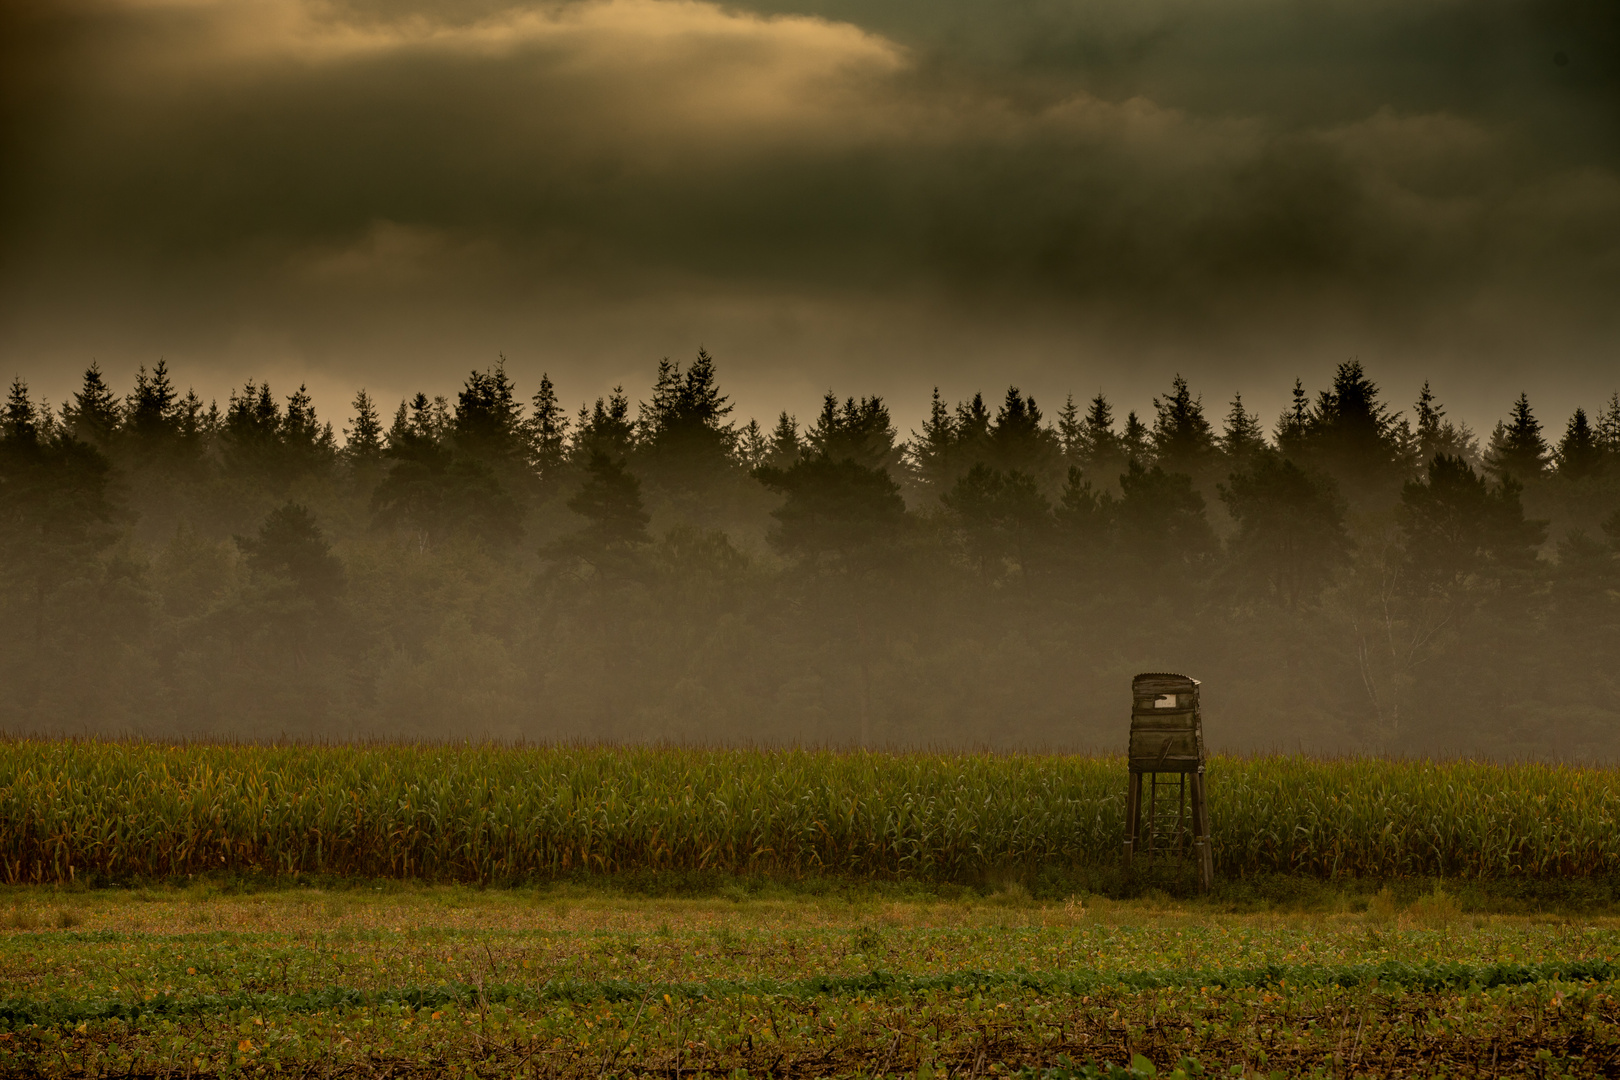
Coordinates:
569	981
126	812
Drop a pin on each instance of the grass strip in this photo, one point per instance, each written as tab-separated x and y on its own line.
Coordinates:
16	1013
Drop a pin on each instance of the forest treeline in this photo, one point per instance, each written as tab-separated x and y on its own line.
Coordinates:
1348	577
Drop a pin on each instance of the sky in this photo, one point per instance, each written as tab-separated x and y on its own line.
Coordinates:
871	197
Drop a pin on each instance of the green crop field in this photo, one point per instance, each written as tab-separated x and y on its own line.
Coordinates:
127	811
426	911
407	980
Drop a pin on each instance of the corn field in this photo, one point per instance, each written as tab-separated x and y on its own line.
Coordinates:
96	810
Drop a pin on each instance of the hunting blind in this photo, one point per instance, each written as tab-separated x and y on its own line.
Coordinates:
1167	740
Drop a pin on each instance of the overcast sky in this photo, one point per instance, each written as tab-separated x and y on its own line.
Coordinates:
870	197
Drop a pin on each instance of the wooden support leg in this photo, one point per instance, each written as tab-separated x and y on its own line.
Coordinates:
1133	807
1200	809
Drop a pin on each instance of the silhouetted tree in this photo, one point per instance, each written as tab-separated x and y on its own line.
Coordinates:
610	500
835	508
290	545
1182	438
1579	453
94	413
1434	434
1000	515
858	431
1291	534
1161	521
785	448
487	424
547	432
605	429
1241	438
363	440
1517	448
1457	526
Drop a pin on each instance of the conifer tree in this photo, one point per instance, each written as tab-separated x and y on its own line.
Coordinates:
1071	432
610	499
858	431
1134	442
1294	425
363	440
21	421
1291	534
1579	453
252	430
1456	526
971	428
1241	437
290	544
1517	448
752	446
1608	427
306	444
94	412
930	451
1182	438
1351	418
607	429
150	413
488	421
1019	441
1102	450
547	432
785	449
1437	435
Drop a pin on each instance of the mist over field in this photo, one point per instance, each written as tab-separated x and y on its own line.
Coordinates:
977	286
489	564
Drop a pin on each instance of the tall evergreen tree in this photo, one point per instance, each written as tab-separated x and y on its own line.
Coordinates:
1517	448
1161	521
684	431
547	432
607	430
785	449
930	452
94	413
752	447
858	431
1020	442
150	414
1294	426
363	439
1291	534
1134	442
1000	515
610	500
1242	437
971	430
837	513
1352	432
1182	438
252	430
307	445
1579	453
1456	526
488	421
1608	427
1434	434
1071	433
290	544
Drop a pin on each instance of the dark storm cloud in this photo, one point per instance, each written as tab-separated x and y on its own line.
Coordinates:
1239	183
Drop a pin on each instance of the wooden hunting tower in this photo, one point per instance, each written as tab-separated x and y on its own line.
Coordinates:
1167	739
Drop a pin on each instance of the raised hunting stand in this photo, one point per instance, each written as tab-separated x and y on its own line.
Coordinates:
1167	739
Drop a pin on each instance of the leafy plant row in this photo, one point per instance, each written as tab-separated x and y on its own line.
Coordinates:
121	810
1429	977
